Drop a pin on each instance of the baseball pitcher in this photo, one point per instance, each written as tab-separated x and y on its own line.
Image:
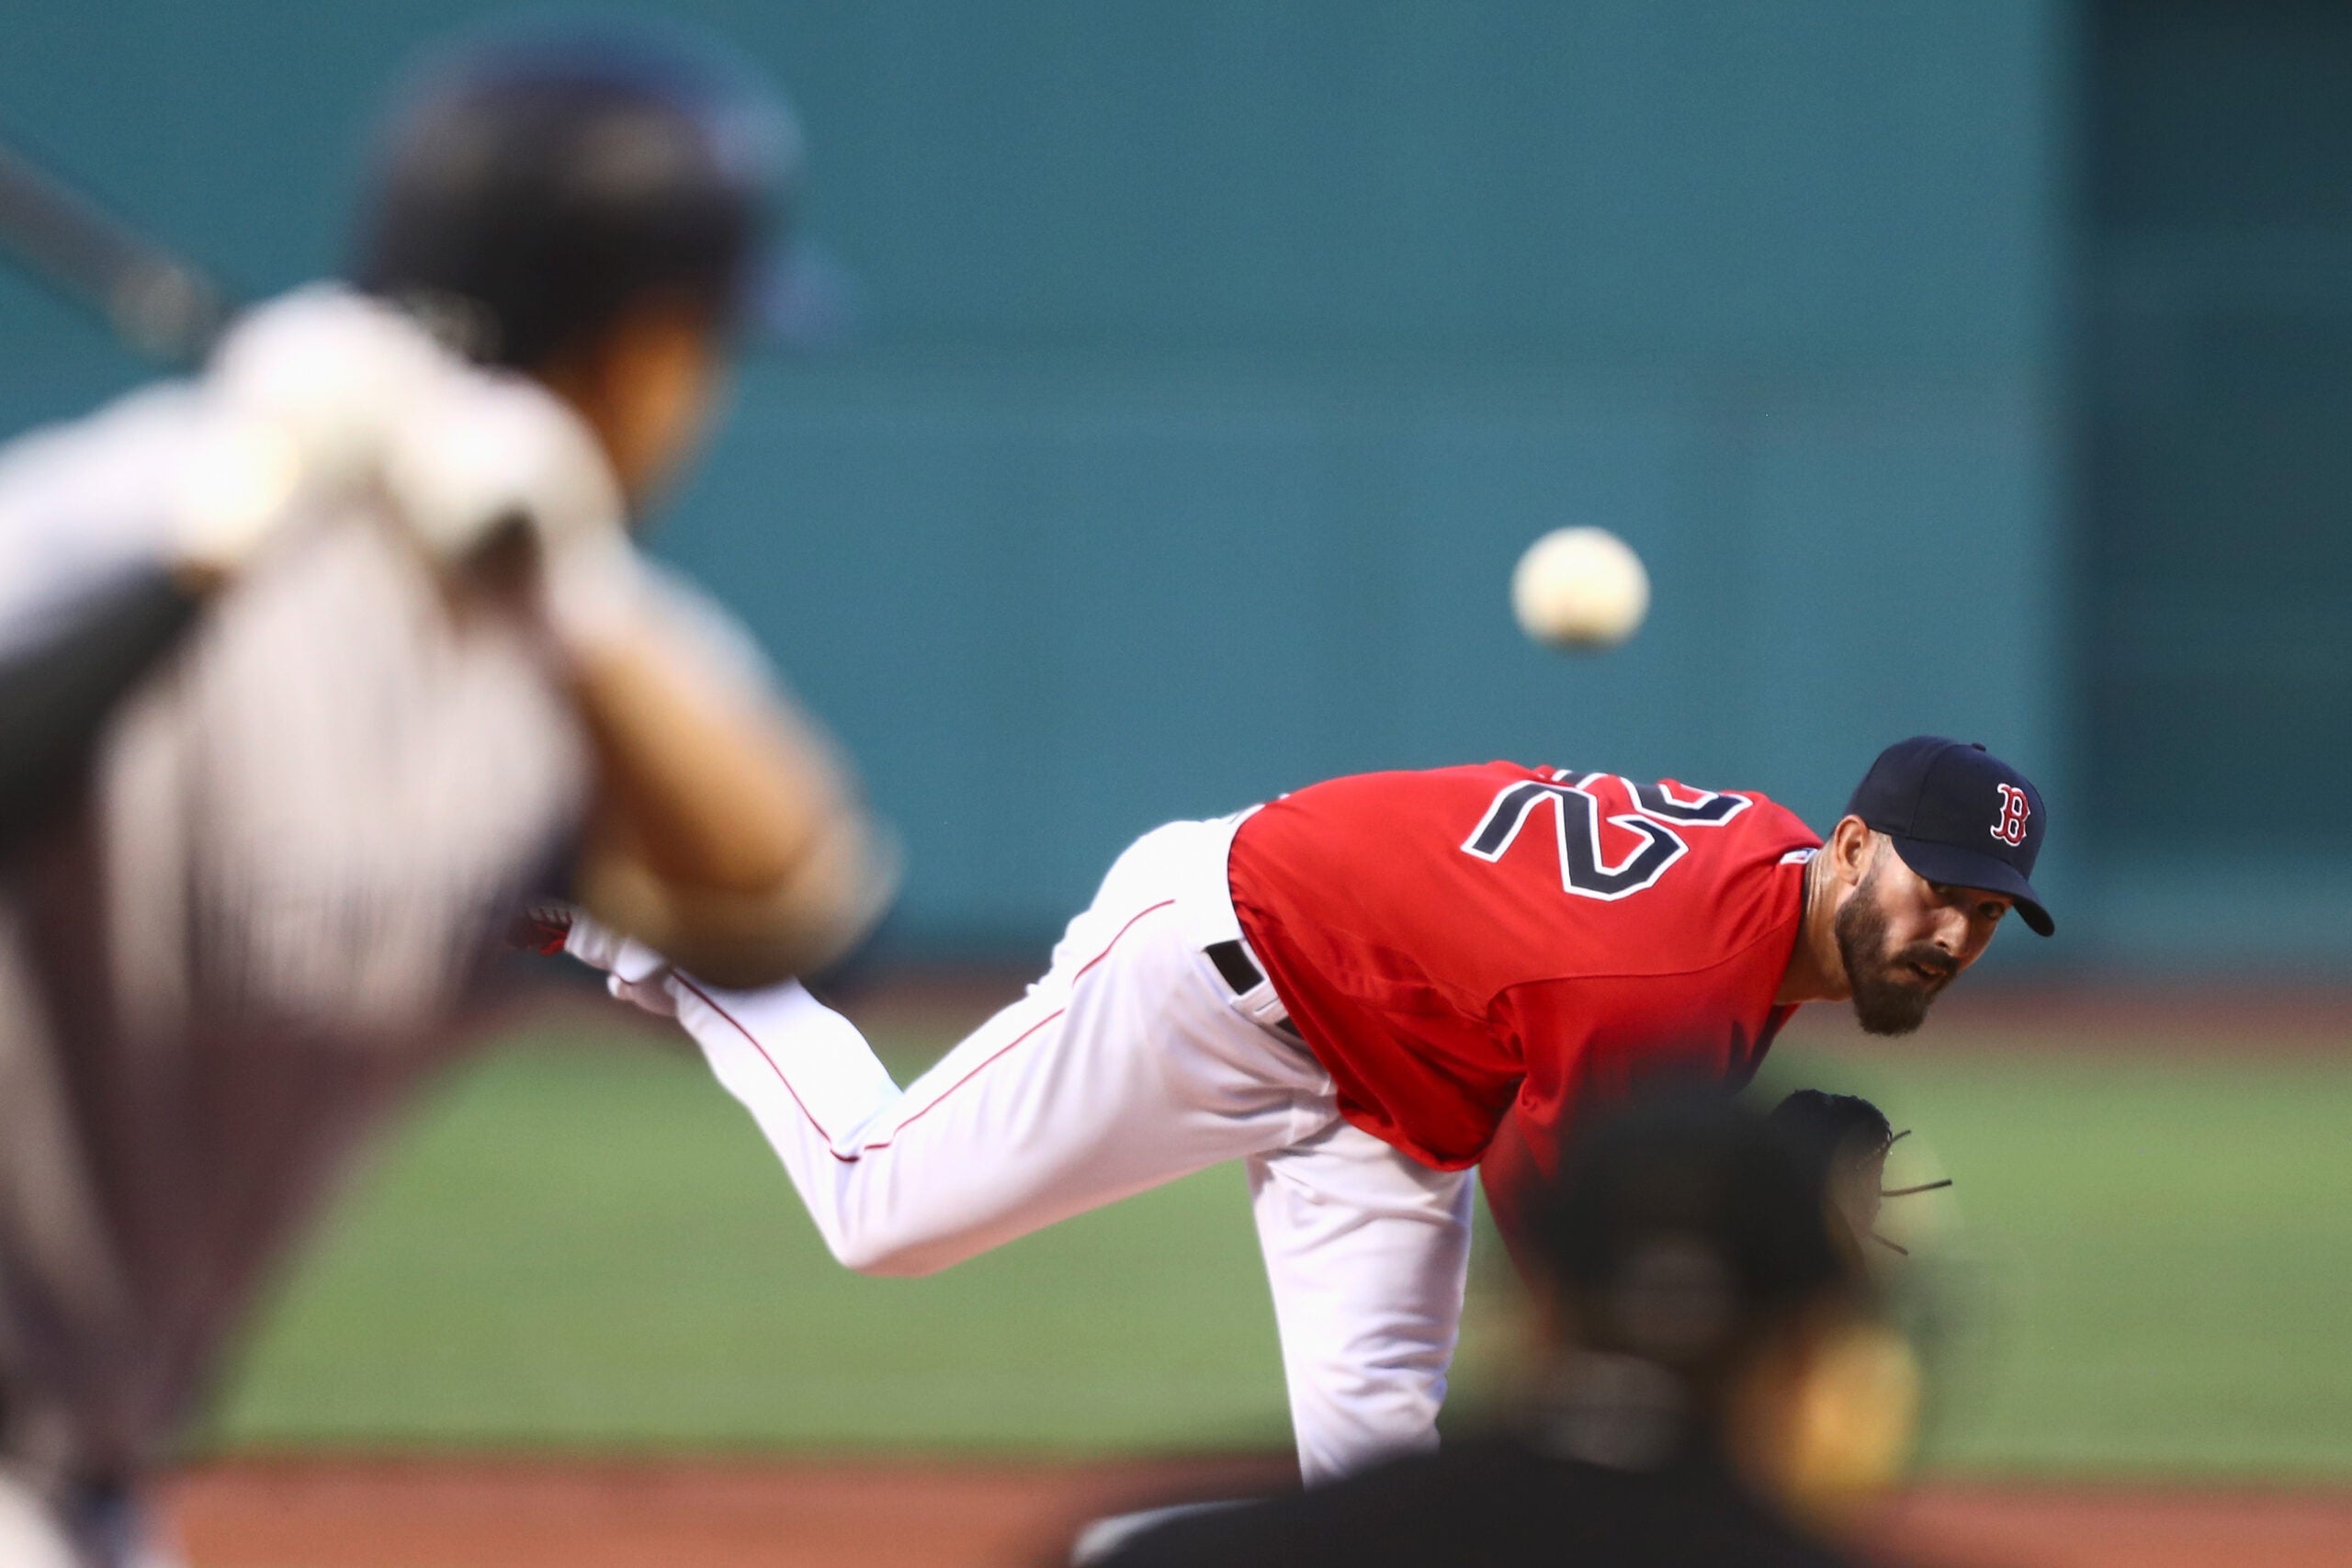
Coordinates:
1362	991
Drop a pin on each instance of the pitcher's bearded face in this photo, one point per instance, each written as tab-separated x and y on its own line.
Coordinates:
1895	980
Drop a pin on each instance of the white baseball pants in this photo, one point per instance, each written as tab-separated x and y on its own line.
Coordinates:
1130	1064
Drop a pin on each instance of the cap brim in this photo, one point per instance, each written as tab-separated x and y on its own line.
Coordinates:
799	299
1965	868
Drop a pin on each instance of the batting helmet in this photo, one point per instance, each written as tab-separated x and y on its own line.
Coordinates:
529	189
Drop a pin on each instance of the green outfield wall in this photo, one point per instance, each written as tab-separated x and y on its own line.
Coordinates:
1217	360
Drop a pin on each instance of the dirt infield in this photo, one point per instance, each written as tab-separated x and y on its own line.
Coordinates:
324	1514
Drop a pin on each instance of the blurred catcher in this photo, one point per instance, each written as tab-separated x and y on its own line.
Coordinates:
1713	1382
316	669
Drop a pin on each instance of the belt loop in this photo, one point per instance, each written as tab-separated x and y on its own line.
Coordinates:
1253	995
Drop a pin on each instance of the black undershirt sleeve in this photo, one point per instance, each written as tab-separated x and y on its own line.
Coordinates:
58	684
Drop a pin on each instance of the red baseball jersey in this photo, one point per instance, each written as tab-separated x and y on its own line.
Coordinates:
1460	943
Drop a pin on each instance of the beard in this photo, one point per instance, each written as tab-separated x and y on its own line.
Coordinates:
1890	995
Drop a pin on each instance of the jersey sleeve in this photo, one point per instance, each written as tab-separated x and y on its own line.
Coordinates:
86	506
89	602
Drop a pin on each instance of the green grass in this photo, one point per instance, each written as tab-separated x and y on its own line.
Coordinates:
595	1247
2159	1259
591	1247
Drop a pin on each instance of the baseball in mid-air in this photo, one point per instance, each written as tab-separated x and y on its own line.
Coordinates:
1580	588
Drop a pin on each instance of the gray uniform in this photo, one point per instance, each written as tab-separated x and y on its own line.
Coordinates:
267	915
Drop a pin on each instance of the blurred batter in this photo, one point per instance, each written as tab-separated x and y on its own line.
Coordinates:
252	910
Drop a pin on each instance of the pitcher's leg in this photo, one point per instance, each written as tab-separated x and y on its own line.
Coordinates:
806	1075
1125	1067
1032	1118
1368	1252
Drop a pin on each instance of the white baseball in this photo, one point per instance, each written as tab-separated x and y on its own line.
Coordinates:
1580	588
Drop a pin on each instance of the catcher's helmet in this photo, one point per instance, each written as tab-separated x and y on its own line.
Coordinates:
527	189
1682	1224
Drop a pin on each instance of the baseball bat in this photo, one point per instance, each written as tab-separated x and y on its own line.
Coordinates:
156	303
56	690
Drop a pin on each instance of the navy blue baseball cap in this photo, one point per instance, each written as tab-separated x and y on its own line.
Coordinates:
1960	816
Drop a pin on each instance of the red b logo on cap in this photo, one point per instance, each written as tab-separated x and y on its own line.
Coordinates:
2010	828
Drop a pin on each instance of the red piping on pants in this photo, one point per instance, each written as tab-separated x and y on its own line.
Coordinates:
737	1025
